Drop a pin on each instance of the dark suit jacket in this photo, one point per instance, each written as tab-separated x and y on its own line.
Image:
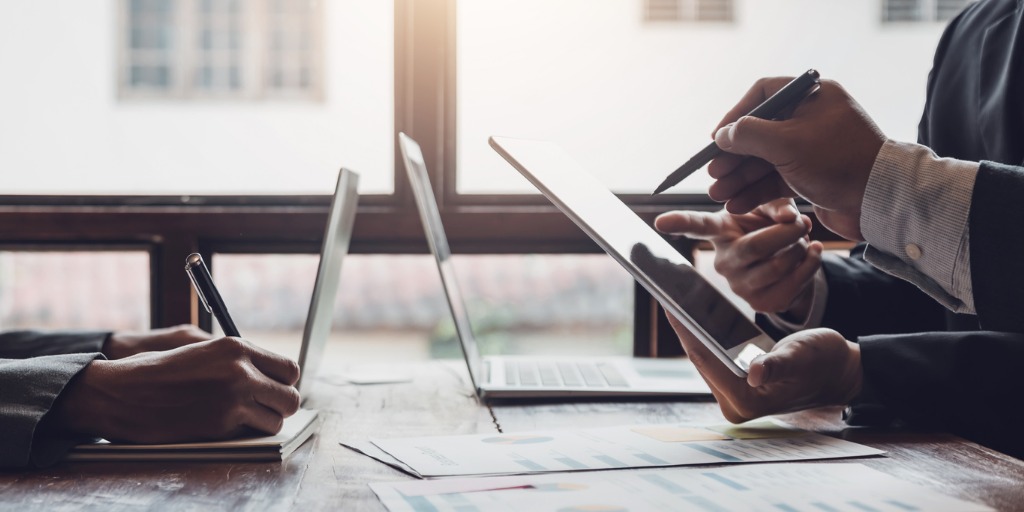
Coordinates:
34	368
921	363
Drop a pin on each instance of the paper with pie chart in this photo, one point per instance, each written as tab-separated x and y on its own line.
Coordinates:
635	446
787	487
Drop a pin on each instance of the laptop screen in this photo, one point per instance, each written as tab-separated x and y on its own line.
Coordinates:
431	217
337	235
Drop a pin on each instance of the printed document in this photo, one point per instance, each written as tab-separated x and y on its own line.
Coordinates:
637	446
762	487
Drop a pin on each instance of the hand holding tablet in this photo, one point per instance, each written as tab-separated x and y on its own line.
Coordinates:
655	264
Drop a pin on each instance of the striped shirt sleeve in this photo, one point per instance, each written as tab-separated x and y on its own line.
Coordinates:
914	218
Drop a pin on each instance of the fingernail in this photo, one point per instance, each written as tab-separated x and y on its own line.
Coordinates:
724	136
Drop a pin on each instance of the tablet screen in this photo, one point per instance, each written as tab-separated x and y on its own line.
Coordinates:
631	241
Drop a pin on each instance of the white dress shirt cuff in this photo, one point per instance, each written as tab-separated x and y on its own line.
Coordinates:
914	218
815	315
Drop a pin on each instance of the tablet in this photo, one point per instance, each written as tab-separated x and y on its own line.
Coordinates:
652	261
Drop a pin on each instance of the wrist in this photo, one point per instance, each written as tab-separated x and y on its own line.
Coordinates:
112	347
81	406
800	309
853	374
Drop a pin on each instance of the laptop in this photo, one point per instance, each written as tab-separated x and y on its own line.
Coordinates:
496	377
669	277
337	235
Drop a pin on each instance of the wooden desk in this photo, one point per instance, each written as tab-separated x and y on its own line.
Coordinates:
322	475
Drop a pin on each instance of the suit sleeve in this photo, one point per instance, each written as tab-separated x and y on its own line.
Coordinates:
28	390
863	300
35	367
997	246
29	343
964	382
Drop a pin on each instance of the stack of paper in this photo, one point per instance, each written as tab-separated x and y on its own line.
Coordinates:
637	446
774	487
297	428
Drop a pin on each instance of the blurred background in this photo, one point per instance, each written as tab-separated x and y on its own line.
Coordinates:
192	98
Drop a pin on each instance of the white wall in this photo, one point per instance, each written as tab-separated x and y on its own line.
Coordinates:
63	130
633	100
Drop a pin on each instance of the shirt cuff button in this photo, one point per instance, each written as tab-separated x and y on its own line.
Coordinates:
913	251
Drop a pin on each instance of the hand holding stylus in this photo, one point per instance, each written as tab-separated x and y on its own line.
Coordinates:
823	152
775	106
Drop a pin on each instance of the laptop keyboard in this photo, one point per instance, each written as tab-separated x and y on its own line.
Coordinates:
563	374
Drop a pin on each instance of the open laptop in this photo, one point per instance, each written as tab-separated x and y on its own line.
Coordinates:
536	377
337	235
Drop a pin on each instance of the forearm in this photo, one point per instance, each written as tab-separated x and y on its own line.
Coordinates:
29	388
32	343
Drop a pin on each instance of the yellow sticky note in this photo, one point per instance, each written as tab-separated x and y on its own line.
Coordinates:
762	429
669	434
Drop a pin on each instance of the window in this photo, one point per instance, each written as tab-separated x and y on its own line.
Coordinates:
218	126
65	289
518	304
688	10
632	101
189	49
215	120
921	10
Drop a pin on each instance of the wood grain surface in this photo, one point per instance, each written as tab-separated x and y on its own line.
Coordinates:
323	475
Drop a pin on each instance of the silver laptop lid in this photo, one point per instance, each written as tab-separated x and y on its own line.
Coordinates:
337	235
431	217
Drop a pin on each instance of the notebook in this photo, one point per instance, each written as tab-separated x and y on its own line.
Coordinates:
300	426
296	430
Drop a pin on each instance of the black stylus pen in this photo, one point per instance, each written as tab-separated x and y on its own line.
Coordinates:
788	96
208	294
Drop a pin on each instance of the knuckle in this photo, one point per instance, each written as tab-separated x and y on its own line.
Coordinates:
194	330
276	424
721	265
740	127
231	347
230	422
237	374
294	400
745	250
780	265
763	83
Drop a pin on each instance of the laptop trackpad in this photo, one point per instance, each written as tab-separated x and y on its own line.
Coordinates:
664	369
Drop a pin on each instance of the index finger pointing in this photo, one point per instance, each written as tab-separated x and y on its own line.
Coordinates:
701	225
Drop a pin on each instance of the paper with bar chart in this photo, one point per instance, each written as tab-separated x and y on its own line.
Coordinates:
774	487
636	446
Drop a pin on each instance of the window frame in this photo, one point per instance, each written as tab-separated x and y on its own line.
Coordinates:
173	226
